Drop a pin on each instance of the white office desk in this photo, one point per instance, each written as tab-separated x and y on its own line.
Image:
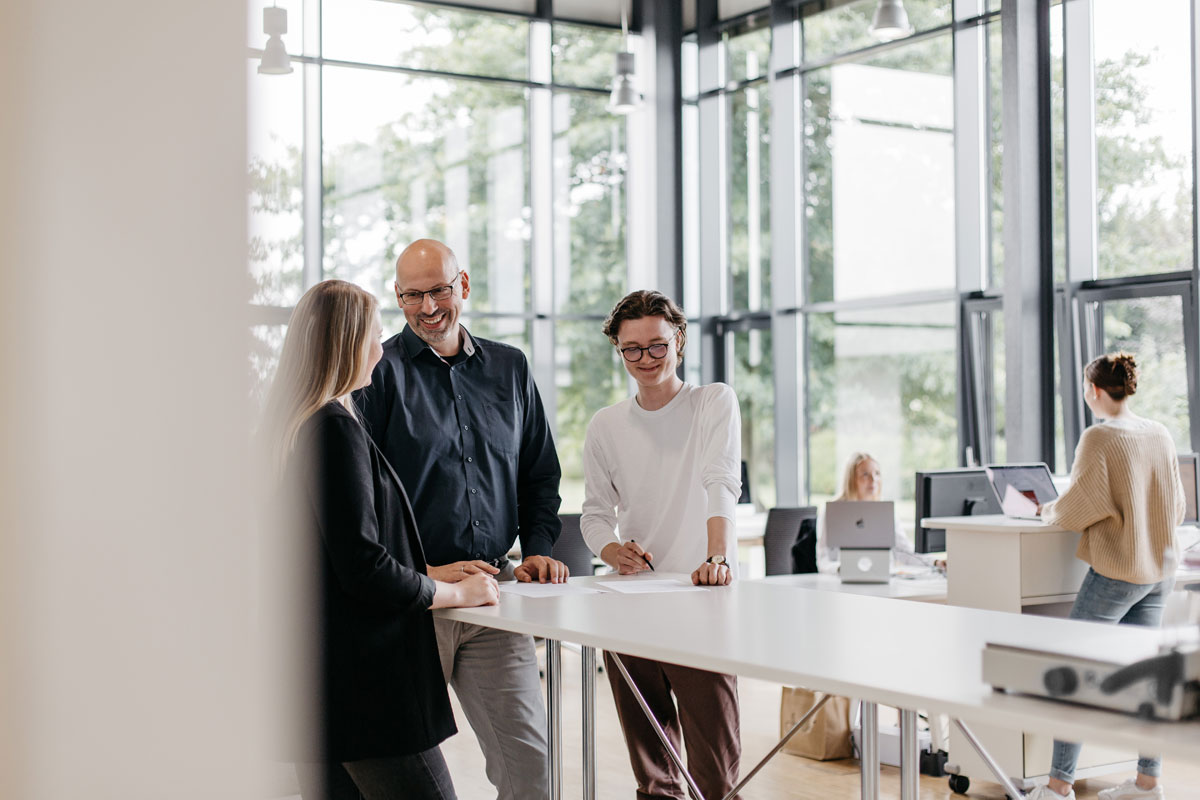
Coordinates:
1014	565
865	647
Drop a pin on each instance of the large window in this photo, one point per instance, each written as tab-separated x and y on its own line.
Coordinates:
488	131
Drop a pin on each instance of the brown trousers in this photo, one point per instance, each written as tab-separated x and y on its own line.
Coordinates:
707	719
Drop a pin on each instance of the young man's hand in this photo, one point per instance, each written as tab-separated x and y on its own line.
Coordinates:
628	558
710	574
541	569
460	571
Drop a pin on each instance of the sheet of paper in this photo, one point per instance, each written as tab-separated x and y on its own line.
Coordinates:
642	586
546	589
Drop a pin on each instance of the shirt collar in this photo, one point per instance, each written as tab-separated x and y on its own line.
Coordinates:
414	345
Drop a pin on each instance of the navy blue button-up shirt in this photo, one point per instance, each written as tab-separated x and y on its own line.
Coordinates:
470	441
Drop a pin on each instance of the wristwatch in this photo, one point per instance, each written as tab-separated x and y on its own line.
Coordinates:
718	560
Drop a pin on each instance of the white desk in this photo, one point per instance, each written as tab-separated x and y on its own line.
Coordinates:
1014	565
931	589
837	642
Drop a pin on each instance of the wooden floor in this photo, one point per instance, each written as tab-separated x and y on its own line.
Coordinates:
786	776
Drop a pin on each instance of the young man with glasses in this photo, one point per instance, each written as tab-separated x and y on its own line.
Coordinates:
662	474
462	423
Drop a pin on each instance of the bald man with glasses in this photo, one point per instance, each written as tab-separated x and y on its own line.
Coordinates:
462	423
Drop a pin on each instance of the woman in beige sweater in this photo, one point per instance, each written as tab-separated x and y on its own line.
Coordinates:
1127	499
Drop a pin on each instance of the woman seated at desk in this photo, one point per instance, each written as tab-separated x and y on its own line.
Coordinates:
863	480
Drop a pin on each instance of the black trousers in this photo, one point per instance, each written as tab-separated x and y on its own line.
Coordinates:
423	776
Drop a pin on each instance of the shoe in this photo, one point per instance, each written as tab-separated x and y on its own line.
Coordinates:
1129	790
1046	793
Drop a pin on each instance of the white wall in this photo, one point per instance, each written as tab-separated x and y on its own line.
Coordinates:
125	581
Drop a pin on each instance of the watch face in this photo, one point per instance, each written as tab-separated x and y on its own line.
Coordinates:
716	559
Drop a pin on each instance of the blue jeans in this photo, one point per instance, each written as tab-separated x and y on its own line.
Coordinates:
1102	599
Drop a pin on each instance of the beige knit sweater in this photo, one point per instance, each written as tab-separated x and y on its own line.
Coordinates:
1126	498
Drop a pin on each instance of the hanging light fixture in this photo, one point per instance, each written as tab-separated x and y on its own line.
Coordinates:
275	59
891	21
625	97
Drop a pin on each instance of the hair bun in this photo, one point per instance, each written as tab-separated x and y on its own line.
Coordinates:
1128	371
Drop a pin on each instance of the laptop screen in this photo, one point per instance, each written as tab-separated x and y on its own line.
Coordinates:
1021	488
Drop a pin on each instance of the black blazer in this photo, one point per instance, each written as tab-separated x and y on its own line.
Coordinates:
382	690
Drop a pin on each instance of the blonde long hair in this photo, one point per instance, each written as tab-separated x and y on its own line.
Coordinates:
326	349
849	484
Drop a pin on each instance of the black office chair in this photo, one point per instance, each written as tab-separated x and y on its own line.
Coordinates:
744	497
571	549
785	531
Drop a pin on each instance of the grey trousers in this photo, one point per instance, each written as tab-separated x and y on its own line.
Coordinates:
495	676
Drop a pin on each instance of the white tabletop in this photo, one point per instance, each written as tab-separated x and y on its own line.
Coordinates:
931	587
990	522
908	655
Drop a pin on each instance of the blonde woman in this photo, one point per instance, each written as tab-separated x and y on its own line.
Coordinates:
862	480
383	706
1126	498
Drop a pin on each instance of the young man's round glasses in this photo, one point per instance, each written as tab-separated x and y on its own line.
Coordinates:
633	354
437	293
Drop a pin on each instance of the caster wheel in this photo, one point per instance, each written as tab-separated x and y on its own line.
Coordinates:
959	784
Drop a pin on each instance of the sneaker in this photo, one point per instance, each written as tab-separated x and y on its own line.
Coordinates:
1046	793
1129	790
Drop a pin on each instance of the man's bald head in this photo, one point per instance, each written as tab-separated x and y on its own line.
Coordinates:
427	265
422	255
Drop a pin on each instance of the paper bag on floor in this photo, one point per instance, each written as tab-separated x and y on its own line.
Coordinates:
824	737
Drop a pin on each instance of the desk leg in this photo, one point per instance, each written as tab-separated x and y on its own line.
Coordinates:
869	763
589	723
910	758
554	715
1010	788
662	736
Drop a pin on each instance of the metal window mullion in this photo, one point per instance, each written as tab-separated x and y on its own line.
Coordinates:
1191	300
712	146
312	179
785	186
541	201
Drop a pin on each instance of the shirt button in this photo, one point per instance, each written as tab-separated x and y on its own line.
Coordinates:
474	491
465	428
459	396
476	523
469	459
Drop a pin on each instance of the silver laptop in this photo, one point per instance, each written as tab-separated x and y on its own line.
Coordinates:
864	530
1021	488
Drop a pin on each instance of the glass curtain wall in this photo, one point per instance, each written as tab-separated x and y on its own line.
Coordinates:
487	131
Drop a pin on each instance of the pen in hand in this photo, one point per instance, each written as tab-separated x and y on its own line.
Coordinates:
645	560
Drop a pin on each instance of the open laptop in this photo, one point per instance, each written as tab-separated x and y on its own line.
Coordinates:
864	530
1021	488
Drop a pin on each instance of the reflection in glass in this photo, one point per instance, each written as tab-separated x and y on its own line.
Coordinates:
583	55
1151	329
589	376
883	381
275	177
1143	137
752	376
750	198
879	187
428	157
425	37
844	28
590	273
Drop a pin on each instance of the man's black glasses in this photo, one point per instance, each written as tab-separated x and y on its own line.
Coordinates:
437	293
632	354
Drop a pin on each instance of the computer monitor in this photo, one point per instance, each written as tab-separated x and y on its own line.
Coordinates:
950	493
1190	475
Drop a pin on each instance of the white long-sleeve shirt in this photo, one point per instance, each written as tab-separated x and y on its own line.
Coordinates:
659	476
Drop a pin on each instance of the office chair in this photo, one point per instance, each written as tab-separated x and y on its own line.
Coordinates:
784	530
744	497
571	549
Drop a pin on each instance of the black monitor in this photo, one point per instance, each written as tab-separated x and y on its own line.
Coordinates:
1190	475
950	493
